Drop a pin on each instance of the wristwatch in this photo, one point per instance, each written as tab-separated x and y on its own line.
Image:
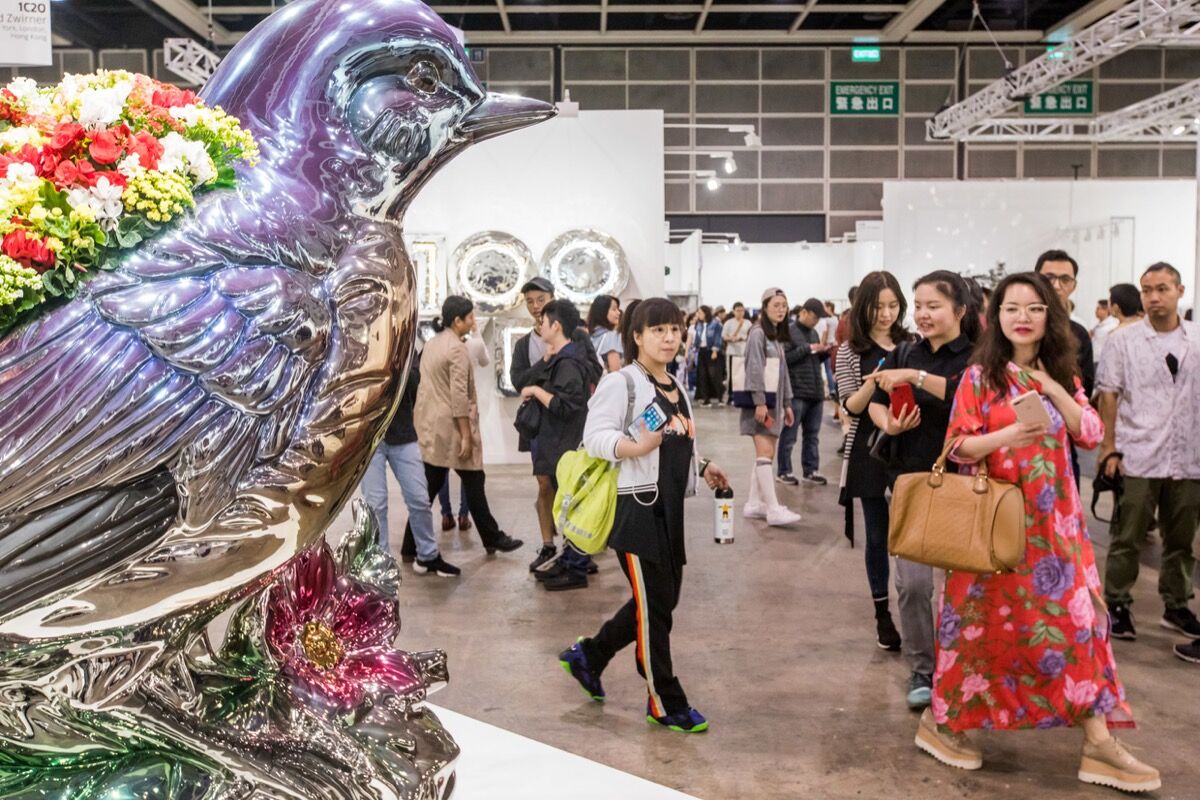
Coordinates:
704	462
921	376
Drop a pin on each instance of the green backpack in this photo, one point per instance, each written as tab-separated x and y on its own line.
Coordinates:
586	501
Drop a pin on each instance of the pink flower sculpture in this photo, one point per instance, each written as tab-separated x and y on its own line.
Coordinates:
332	635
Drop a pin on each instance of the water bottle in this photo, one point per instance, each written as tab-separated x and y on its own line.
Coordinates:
723	516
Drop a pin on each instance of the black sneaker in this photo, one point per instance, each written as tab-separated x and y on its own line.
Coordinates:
1188	652
547	557
504	543
551	571
443	569
1122	623
565	580
813	479
1183	621
787	478
886	635
920	691
574	661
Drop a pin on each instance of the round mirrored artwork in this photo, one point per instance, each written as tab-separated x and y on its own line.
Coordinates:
490	269
583	264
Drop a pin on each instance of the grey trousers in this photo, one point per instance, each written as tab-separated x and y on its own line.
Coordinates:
914	585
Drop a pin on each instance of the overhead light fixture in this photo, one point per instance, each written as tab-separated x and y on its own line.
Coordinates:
730	166
752	139
713	183
750	136
1179	130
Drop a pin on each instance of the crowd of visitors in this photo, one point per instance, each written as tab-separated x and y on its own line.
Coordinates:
1026	648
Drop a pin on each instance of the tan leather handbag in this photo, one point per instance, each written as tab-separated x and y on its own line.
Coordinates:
967	523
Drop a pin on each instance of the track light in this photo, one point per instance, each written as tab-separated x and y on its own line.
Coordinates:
713	184
752	139
1179	130
730	166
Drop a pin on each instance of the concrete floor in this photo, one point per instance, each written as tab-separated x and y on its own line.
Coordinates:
774	642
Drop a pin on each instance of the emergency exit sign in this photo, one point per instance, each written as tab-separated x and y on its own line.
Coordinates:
1070	97
864	54
852	98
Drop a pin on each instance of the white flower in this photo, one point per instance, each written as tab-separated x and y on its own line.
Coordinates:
130	165
14	139
22	88
187	156
99	108
189	115
20	172
104	200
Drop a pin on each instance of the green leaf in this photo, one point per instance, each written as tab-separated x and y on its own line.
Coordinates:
1027	680
131	230
1056	635
1039	542
1055	609
1041	703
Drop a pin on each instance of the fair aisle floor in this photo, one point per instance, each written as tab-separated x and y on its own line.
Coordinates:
774	643
498	765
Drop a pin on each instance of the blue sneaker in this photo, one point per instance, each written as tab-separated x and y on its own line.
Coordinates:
574	661
690	721
920	691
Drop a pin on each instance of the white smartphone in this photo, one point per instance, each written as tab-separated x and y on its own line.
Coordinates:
1031	410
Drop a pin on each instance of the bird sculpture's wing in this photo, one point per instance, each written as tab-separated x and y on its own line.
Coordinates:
142	402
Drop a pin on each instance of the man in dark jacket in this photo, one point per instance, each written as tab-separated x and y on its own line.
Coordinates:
399	449
562	395
805	356
529	366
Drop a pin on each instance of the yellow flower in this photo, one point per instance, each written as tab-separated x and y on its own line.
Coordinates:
54	243
37	213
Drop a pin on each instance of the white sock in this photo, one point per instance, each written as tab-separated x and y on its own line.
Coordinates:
765	473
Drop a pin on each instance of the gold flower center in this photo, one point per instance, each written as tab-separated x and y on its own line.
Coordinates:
321	646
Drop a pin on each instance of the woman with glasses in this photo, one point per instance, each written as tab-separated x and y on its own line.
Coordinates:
1029	649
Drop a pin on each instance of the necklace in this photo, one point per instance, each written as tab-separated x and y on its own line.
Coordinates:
669	386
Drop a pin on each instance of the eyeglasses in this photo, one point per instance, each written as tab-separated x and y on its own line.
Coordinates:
1064	281
1034	310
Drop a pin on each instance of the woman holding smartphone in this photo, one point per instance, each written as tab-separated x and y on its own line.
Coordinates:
876	328
1030	649
911	404
765	421
656	472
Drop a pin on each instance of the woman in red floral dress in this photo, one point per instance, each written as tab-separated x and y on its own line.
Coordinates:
1029	649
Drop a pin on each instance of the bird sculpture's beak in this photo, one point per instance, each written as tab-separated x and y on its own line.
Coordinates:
502	113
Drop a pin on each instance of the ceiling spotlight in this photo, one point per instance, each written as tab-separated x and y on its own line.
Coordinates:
752	139
713	184
1179	129
730	166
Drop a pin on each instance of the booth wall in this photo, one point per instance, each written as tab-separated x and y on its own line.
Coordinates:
968	226
601	170
824	271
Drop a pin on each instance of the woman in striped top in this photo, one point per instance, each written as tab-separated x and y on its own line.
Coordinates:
876	328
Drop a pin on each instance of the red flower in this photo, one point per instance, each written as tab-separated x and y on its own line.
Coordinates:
146	147
114	178
70	173
8	107
65	135
29	252
104	148
171	96
28	154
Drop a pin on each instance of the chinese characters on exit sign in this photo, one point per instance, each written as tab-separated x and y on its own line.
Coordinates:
1071	97
864	97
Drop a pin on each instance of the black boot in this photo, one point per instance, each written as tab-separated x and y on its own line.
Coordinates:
888	638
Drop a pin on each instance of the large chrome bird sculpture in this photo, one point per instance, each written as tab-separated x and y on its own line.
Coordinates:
172	438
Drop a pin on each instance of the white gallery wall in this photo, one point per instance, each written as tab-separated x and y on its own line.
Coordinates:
601	170
1113	228
825	271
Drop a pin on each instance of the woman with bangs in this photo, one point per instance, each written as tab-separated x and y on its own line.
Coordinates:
656	472
1029	649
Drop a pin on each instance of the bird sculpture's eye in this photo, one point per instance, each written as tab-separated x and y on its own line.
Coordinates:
424	77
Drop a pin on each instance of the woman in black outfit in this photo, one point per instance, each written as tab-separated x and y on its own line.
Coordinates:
876	328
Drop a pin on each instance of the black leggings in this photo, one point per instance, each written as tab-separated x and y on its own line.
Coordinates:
477	503
875	518
710	375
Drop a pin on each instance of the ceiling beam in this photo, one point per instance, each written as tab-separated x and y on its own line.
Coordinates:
710	36
917	11
603	16
708	7
1083	18
196	22
703	15
504	20
803	15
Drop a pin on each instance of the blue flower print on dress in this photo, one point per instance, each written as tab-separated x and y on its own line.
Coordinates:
1052	576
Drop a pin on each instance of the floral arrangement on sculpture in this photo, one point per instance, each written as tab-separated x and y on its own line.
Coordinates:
91	167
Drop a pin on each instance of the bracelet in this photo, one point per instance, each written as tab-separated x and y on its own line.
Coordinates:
704	462
921	376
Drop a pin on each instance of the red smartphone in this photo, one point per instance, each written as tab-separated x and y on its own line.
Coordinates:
902	399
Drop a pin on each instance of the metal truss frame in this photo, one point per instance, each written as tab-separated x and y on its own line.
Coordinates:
189	59
1141	22
1168	117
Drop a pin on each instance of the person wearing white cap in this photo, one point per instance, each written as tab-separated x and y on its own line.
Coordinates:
765	413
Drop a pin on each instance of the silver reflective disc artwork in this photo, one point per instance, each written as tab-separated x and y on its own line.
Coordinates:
505	334
583	264
490	268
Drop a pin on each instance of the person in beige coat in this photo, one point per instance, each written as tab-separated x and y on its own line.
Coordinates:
447	419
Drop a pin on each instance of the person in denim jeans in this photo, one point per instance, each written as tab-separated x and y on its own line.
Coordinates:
400	451
804	356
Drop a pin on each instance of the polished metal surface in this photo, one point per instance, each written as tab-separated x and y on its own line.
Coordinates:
490	268
175	436
504	336
583	264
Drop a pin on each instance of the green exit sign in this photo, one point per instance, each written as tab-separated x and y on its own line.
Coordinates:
864	54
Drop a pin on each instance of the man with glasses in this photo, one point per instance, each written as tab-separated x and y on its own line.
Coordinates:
1062	271
1150	403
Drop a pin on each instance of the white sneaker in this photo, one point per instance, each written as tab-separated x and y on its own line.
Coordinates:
754	511
780	515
